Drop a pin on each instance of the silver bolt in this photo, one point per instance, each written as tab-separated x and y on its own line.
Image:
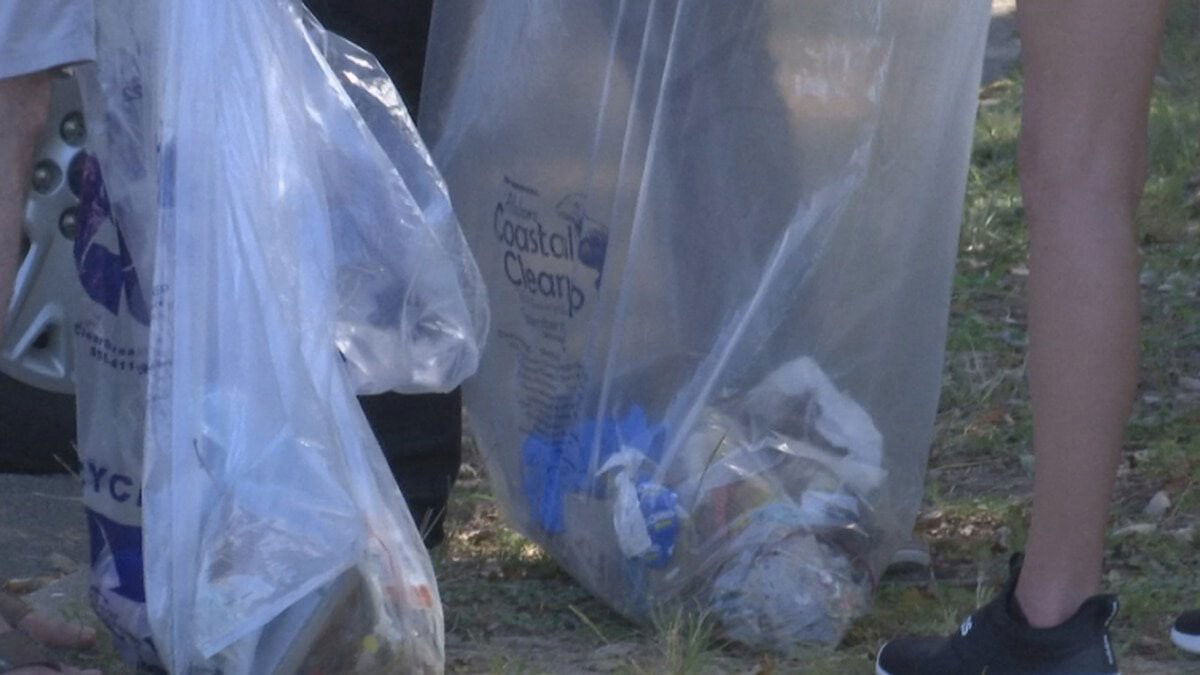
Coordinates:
73	130
68	223
46	176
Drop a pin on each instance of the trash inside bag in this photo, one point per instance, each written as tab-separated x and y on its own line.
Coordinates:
412	310
263	234
718	239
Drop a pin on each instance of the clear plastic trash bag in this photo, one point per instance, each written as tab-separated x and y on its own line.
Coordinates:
412	312
718	239
262	234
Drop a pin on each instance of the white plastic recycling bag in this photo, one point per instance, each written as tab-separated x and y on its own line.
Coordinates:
262	233
718	239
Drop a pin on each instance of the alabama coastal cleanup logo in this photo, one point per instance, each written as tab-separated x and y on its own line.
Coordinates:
102	257
543	258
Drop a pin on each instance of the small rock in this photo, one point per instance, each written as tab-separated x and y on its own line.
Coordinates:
611	657
1186	535
492	571
1136	528
1149	643
1190	383
616	649
1004	537
61	563
66	595
26	585
1026	459
1158	505
915	553
1012	338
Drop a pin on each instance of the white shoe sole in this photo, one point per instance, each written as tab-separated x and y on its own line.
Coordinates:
1194	641
1186	642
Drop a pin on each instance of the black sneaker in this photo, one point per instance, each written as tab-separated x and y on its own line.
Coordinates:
1186	631
997	640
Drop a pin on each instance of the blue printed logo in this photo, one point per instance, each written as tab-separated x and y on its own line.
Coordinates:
124	544
591	235
107	276
535	250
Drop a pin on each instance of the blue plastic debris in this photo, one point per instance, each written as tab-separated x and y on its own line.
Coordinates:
554	468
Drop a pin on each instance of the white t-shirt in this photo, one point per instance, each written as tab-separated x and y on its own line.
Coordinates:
40	34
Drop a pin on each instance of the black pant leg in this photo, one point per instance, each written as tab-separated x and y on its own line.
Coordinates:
421	436
394	31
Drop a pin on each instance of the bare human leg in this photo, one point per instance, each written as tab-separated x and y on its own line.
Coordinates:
1089	68
1083	160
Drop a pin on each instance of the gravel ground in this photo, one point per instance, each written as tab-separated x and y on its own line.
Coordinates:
40	516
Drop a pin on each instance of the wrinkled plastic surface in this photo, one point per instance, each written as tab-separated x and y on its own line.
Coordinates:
412	310
718	239
268	235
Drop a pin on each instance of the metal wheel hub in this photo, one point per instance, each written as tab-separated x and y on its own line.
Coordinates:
38	346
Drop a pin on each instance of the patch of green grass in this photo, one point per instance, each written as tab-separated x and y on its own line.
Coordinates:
1175	145
933	609
1155	578
994	234
509	664
686	639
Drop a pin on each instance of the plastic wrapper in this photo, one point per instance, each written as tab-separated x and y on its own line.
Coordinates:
718	239
412	310
262	234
